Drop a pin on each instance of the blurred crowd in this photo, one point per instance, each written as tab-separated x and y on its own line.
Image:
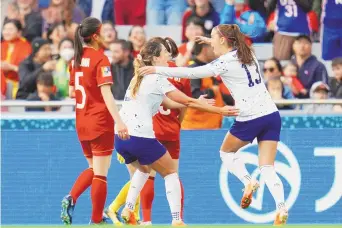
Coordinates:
37	44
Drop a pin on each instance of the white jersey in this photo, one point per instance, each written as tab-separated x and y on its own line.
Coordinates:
137	112
244	82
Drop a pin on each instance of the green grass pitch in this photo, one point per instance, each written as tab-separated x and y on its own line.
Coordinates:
190	226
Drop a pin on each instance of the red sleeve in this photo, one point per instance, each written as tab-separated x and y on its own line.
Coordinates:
187	87
3	84
119	12
313	21
104	72
297	83
72	74
271	18
185	18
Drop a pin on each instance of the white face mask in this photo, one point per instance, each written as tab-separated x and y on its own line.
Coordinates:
67	54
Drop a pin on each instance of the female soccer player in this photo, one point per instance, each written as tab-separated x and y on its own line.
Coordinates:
96	111
258	118
142	149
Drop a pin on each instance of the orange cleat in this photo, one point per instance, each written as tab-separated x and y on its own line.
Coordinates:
281	218
178	223
248	194
128	217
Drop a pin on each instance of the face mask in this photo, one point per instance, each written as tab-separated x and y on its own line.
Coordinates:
67	54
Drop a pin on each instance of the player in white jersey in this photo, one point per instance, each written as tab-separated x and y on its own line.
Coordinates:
259	117
142	149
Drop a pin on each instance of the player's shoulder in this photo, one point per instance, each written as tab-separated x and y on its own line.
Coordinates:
95	55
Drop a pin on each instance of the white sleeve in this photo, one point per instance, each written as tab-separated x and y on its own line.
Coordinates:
186	72
164	86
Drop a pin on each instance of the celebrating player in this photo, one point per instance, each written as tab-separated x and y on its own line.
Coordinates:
96	111
259	117
142	149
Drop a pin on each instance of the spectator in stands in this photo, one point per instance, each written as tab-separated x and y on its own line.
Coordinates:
195	119
122	68
291	79
61	74
164	12
206	12
319	91
310	69
14	49
31	20
45	92
109	35
132	13
250	22
336	81
100	9
137	37
291	22
39	61
332	29
55	33
3	86
278	91
194	27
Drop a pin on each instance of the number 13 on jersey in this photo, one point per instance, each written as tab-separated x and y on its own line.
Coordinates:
249	74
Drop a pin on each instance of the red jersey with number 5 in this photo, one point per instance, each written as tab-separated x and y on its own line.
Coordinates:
92	115
166	124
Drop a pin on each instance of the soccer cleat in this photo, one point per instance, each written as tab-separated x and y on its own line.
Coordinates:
128	216
178	223
248	194
109	214
67	210
281	217
147	223
103	222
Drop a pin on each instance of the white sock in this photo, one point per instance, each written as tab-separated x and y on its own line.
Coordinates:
236	166
274	184
137	183
173	194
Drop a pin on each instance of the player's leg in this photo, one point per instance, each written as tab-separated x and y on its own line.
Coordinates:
83	181
240	135
102	148
268	141
147	197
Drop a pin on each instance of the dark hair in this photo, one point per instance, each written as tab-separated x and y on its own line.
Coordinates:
52	28
65	39
45	78
15	22
336	61
291	64
133	27
237	40
196	21
198	47
151	49
277	62
125	45
113	26
84	32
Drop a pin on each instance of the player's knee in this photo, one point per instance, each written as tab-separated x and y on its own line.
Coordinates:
227	157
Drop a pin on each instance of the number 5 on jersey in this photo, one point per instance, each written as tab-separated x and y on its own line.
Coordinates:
80	88
164	112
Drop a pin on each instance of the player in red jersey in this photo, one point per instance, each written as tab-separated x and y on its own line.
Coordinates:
90	82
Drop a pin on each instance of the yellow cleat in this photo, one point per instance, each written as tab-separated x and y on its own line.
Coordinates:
113	216
281	217
248	194
178	223
128	216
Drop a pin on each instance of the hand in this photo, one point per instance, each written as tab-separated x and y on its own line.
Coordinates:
203	40
5	66
143	71
229	111
50	65
203	98
44	96
251	19
122	130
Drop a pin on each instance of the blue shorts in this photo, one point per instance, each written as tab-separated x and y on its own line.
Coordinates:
145	150
263	128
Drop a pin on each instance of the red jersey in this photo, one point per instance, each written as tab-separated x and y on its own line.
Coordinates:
92	115
166	124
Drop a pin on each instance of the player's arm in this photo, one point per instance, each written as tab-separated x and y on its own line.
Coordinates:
182	114
110	102
72	80
180	72
170	104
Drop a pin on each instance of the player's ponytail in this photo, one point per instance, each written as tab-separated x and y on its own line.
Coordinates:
151	49
84	34
236	39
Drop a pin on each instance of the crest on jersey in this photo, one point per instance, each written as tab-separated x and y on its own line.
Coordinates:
106	72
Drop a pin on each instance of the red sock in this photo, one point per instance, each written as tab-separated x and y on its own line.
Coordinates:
146	199
82	183
98	197
182	202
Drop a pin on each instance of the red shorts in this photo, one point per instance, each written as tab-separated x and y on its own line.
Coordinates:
100	146
173	147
